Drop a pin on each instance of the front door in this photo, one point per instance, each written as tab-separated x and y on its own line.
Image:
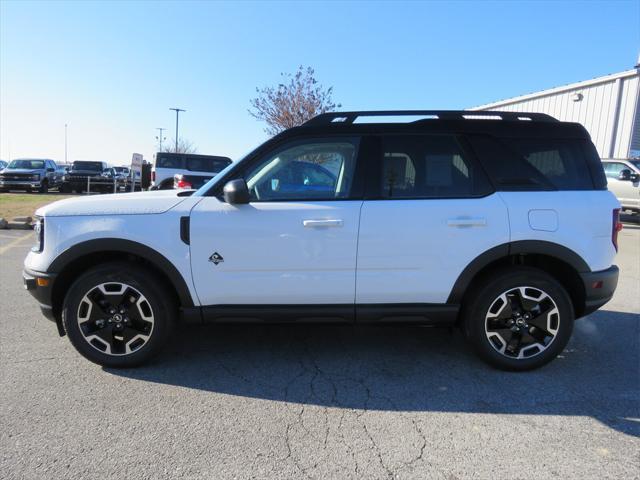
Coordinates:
294	243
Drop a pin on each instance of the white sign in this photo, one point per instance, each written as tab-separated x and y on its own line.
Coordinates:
136	162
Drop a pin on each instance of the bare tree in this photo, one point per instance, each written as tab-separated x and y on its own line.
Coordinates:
298	99
184	146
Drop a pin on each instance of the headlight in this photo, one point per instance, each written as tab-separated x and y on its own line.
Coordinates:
38	229
35	176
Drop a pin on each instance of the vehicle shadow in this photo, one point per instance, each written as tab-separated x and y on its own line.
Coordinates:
408	369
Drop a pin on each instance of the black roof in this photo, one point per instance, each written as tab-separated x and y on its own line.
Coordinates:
503	124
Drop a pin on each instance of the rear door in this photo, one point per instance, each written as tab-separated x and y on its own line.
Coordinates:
429	210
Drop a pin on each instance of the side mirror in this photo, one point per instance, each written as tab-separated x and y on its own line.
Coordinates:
236	192
624	174
51	169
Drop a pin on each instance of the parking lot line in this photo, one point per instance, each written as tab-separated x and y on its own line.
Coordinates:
15	243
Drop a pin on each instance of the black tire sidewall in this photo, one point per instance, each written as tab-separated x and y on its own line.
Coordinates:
160	300
474	314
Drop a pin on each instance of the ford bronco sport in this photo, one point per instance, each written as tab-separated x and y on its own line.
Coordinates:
499	223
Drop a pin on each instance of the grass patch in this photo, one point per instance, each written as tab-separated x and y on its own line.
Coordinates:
25	204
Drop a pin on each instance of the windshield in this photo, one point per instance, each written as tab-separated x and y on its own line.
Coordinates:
96	166
27	164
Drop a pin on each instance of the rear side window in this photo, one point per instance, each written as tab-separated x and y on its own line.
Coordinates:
203	164
561	162
428	166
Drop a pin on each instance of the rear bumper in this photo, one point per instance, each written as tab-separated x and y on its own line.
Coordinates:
599	287
39	291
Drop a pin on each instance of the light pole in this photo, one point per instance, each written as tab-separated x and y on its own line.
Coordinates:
65	143
160	138
178	110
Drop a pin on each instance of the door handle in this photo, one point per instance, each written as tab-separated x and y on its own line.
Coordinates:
322	223
467	222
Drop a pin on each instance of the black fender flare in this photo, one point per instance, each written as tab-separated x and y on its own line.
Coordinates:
539	247
155	258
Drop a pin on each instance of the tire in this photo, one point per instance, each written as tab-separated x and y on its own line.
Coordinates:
518	318
112	336
44	187
65	188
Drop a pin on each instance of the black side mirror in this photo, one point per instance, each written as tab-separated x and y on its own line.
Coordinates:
624	174
236	192
51	169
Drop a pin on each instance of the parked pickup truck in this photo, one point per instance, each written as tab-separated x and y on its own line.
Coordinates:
86	175
30	174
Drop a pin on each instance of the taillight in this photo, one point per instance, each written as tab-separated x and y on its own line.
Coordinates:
180	182
616	226
153	175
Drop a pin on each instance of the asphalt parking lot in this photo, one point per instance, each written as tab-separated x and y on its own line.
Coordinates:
319	401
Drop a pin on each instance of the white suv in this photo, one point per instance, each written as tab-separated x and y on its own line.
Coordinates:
495	222
194	169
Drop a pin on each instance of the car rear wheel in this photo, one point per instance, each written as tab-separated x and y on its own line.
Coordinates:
519	318
118	316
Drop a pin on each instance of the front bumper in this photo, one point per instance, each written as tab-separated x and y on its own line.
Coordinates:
19	184
40	286
599	287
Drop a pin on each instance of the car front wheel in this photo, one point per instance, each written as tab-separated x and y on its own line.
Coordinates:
519	319
118	315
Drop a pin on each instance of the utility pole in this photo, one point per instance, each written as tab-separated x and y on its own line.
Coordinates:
160	138
177	110
65	143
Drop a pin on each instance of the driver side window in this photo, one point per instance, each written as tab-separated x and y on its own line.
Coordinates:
313	170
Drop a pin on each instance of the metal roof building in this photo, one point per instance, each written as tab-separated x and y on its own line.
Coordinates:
608	107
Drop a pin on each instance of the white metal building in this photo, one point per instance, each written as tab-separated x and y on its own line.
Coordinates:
608	107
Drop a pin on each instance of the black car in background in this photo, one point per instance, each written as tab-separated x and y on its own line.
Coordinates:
88	176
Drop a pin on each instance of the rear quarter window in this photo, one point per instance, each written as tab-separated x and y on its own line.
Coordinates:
559	161
538	164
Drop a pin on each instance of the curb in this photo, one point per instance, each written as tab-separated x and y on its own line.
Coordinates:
18	223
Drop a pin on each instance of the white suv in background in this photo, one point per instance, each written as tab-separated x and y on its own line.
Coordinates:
623	178
191	168
498	223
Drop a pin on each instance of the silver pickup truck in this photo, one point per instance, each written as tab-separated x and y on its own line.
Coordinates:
29	174
623	179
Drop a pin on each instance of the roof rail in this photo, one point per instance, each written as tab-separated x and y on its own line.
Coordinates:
351	117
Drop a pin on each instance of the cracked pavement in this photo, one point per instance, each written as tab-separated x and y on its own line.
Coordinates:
303	401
